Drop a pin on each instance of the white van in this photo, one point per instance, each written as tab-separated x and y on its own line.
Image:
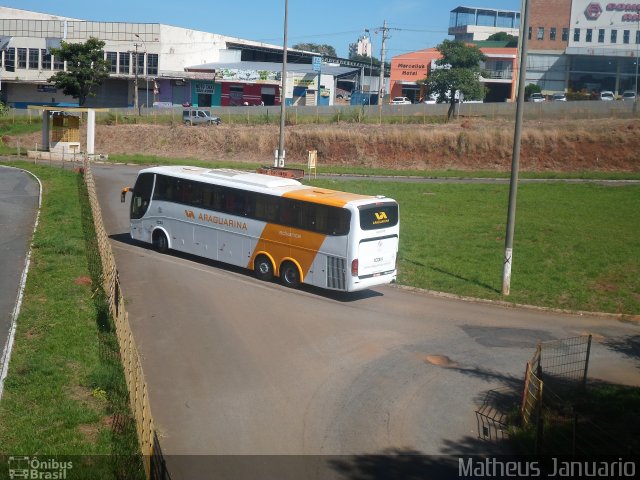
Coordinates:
195	116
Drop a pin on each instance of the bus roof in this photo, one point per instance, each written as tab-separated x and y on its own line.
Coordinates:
258	182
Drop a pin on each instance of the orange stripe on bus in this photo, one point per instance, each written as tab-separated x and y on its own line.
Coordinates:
324	196
285	242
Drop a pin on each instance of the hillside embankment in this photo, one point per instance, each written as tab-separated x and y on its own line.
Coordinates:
467	144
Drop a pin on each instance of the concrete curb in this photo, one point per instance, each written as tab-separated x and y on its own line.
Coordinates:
622	317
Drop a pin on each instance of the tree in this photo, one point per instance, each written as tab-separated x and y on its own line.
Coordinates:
86	68
364	59
531	88
504	37
327	50
459	71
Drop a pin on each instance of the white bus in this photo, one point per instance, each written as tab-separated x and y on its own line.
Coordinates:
274	226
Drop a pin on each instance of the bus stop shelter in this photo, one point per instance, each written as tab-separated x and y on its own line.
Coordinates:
61	129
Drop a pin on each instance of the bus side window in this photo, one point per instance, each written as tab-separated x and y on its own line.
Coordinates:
229	202
321	218
218	199
249	204
307	216
207	196
286	212
338	221
164	188
260	207
195	194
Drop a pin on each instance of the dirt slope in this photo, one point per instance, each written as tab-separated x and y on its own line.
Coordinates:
471	144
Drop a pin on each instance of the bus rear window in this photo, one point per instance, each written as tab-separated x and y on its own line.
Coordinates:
373	217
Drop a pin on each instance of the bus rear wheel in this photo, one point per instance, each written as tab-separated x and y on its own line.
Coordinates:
290	275
160	241
263	268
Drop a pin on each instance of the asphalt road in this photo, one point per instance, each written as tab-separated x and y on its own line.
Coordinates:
239	366
19	192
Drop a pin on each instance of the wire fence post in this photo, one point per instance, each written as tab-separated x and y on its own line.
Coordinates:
586	363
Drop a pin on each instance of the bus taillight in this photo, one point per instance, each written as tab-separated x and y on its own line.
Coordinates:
354	268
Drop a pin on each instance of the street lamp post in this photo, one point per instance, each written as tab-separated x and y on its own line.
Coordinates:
135	77
635	97
146	79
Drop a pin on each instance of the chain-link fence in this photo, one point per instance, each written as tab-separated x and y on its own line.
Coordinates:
560	413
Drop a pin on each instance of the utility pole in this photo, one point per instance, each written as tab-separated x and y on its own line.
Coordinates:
283	93
385	36
515	161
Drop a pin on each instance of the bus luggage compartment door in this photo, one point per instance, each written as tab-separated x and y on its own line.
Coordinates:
233	248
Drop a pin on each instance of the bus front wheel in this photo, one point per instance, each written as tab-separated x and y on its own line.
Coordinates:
290	275
263	268
160	242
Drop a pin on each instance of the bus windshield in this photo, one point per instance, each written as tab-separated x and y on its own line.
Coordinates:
374	217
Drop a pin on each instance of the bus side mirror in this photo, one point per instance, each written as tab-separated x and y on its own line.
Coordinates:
123	193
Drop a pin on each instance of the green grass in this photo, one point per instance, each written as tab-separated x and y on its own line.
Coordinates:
576	246
294	116
19	126
365	171
601	420
65	387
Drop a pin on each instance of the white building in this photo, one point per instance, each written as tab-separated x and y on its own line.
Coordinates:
361	47
604	45
148	58
583	46
474	24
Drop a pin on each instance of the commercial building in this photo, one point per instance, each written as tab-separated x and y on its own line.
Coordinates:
468	24
573	46
471	24
583	46
409	69
153	64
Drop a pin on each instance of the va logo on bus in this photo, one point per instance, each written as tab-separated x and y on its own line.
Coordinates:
189	214
381	217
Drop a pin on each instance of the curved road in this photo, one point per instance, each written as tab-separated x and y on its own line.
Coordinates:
19	194
239	366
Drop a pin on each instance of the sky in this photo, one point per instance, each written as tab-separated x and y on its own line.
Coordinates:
414	24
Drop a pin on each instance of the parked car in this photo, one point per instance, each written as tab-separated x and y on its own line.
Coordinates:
536	97
559	97
628	96
607	95
400	101
196	116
